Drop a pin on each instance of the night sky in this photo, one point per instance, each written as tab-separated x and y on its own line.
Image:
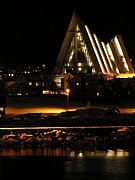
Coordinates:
32	32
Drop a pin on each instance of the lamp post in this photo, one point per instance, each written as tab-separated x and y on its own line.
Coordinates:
67	92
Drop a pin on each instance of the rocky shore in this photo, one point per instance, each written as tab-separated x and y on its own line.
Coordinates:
74	138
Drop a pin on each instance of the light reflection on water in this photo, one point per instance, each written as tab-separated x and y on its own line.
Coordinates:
66	164
68	152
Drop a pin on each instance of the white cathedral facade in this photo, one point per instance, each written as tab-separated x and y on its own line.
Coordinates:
82	51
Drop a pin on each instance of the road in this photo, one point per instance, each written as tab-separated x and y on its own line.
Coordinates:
54	110
21	105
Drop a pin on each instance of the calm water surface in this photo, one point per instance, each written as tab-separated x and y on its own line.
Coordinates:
66	164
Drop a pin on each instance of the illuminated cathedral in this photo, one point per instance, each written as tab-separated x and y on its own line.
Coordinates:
82	51
84	60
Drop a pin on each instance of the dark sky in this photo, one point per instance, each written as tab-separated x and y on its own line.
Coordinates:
33	31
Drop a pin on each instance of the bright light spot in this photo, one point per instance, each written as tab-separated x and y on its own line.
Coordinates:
121	153
67	91
80	154
110	153
79	64
118	152
97	93
132	75
72	154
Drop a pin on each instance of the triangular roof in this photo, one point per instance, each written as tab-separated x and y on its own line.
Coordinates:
96	55
75	20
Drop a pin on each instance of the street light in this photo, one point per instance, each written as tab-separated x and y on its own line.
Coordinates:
67	93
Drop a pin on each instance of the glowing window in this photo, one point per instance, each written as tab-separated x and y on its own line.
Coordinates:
30	83
37	83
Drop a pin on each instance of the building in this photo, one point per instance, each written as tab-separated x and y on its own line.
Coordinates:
23	85
82	52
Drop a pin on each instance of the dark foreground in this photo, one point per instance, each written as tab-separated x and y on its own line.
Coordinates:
121	133
81	166
95	153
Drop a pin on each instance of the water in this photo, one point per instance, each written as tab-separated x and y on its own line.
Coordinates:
66	164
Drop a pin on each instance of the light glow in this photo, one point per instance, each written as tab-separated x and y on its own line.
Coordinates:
95	49
112	58
101	52
119	49
132	75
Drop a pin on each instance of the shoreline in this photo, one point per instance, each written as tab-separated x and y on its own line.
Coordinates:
57	104
68	138
77	118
